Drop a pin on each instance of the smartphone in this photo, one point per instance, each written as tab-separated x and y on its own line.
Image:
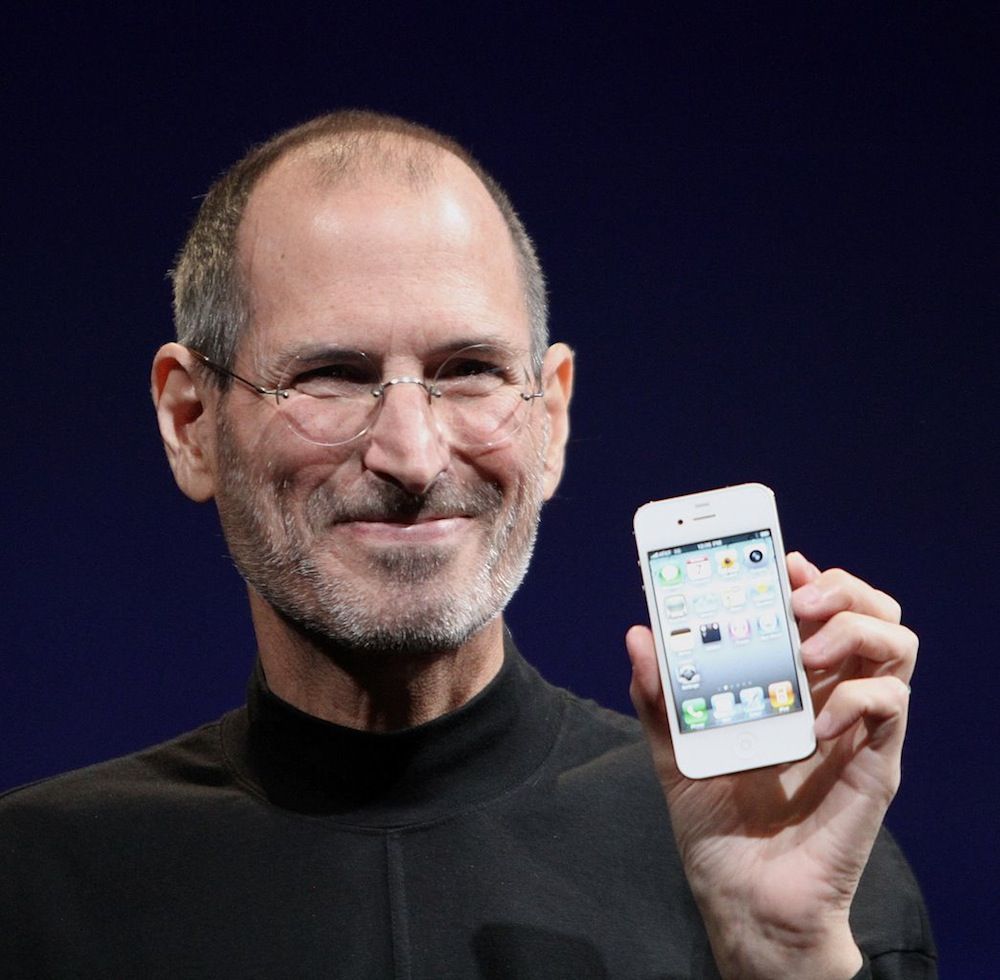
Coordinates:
713	570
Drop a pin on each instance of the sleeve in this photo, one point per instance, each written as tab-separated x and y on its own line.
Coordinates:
889	919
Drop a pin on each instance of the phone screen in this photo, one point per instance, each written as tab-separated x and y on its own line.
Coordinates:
722	617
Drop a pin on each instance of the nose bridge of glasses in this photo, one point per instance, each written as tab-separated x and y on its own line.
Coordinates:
380	389
405	412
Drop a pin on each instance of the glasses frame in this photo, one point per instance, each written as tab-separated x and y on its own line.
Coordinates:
377	392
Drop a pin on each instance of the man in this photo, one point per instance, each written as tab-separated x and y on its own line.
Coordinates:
363	384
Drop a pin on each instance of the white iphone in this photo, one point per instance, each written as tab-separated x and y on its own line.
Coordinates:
713	569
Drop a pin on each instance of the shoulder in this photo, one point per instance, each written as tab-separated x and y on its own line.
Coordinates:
602	760
182	764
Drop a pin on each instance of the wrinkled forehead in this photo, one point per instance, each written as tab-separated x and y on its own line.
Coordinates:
395	244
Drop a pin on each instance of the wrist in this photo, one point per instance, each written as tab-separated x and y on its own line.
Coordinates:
746	948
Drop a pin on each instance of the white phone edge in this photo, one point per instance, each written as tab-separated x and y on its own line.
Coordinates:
744	745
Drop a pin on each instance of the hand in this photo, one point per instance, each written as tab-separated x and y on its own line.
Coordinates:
774	855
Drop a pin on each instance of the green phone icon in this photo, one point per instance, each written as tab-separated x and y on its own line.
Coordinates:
695	711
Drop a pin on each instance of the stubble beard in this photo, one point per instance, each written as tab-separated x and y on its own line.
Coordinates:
412	599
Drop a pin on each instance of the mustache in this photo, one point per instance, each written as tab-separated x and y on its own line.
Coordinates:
387	502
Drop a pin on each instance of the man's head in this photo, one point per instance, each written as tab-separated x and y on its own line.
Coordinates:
388	243
211	310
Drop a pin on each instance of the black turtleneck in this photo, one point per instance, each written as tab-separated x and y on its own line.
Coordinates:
521	836
490	744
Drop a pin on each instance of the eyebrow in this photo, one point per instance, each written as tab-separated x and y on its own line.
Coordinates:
320	352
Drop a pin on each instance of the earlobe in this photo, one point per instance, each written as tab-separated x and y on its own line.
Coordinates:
180	411
557	380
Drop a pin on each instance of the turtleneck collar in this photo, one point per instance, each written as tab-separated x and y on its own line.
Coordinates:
485	748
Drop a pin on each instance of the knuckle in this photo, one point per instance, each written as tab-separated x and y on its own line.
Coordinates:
837	578
898	690
894	611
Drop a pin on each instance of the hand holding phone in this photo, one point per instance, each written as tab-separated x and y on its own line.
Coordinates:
773	855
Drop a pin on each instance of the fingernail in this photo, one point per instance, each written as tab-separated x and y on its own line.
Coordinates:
823	727
814	647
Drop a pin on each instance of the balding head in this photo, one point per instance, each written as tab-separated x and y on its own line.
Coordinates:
211	307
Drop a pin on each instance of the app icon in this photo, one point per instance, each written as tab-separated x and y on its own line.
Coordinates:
768	623
698	567
762	592
710	633
781	694
739	630
723	705
668	575
687	673
681	640
704	604
756	553
695	712
735	597
675	606
752	698
728	562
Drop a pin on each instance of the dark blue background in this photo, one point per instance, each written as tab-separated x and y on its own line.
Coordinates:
768	234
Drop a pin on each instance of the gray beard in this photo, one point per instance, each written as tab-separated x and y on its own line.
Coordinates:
418	613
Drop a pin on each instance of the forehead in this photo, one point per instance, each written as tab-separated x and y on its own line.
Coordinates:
375	261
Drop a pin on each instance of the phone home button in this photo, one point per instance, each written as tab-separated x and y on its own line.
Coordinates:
743	745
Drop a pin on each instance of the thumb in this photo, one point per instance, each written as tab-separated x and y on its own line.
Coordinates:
647	696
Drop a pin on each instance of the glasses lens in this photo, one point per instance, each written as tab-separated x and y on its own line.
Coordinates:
481	396
330	398
482	399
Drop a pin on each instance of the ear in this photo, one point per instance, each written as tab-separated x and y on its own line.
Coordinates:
557	383
180	405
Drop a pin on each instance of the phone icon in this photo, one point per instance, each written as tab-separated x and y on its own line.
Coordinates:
768	623
739	630
695	712
675	606
681	640
698	567
723	705
752	699
781	694
728	562
710	633
705	603
735	597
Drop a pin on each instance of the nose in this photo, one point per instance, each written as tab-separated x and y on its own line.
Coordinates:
403	444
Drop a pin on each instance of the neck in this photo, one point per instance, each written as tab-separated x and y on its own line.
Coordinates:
371	690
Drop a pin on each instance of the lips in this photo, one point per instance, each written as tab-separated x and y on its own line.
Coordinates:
423	531
385	505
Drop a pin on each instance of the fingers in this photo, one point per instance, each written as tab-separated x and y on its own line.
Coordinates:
881	702
647	696
841	616
646	692
835	591
888	647
801	571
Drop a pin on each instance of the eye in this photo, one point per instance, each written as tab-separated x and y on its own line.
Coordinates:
351	375
478	369
469	367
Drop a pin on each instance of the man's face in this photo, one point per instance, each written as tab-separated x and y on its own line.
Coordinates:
398	539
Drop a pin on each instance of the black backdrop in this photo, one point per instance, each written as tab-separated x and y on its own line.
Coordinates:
767	234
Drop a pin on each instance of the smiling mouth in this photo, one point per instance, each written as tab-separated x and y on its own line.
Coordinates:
424	528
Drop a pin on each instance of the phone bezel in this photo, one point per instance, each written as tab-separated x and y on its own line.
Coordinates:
683	520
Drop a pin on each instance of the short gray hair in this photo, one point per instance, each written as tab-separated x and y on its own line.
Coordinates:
211	308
